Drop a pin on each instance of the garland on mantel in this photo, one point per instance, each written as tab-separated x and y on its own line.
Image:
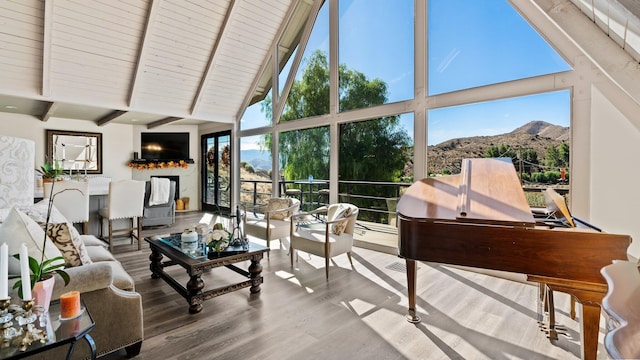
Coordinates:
158	165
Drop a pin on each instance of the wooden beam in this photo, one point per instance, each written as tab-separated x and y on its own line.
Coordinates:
46	48
212	56
51	108
142	51
110	117
164	121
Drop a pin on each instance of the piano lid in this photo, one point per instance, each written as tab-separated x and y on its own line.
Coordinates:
487	191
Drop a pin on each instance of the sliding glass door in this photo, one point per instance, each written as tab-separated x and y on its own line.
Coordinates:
216	182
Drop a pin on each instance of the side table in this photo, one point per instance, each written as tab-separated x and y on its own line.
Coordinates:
59	333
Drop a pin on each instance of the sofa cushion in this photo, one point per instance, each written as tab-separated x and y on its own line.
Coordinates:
38	212
61	237
18	228
120	278
91	240
99	253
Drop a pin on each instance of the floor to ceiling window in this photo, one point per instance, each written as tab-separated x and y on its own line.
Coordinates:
381	99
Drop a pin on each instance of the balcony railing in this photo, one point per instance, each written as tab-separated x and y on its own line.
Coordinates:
373	208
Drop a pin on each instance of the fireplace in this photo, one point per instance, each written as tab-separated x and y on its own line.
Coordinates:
172	178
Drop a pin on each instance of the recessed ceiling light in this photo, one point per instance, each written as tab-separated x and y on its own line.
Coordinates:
134	120
10	107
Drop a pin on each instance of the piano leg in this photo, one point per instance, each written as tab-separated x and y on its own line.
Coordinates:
551	331
590	317
412	317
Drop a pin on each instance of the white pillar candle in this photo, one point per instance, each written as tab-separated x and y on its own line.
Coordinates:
25	273
4	271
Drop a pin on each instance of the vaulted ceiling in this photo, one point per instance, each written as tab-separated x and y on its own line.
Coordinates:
149	62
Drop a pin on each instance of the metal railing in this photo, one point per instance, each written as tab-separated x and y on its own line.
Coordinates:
373	207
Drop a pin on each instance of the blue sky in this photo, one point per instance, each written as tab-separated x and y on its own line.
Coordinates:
487	42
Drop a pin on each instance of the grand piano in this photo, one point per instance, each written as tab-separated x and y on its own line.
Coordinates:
481	218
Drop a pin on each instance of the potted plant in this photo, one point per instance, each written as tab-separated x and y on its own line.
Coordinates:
50	171
220	239
42	271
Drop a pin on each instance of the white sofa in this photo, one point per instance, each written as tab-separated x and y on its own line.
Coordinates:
107	290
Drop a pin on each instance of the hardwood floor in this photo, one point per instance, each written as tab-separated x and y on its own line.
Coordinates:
358	314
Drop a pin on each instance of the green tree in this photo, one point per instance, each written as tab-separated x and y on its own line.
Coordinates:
563	152
552	157
373	150
376	149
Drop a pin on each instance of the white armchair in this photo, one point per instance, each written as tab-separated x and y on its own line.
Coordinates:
332	239
271	221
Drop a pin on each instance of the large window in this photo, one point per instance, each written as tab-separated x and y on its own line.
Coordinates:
377	47
311	84
255	170
534	131
473	43
373	159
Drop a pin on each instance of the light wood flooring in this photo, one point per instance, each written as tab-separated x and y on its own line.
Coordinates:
358	314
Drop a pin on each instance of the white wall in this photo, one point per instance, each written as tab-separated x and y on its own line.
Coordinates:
119	141
189	177
615	170
116	139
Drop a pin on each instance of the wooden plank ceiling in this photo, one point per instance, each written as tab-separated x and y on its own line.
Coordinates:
152	61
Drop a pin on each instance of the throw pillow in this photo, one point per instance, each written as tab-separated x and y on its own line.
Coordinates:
276	204
38	212
17	229
343	212
61	237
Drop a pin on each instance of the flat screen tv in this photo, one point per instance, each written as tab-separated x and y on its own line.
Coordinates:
164	146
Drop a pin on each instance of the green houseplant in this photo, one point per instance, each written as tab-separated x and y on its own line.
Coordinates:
50	170
45	269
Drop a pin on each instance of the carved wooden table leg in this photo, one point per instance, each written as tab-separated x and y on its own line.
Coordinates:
255	269
194	286
156	263
412	317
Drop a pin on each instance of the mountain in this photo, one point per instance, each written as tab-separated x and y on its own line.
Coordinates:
544	129
535	135
257	158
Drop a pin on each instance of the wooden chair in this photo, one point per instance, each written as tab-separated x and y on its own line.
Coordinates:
126	201
328	238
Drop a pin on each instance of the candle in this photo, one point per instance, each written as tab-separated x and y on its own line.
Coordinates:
25	273
4	271
69	304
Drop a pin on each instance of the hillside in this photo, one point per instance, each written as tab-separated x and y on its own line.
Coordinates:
535	135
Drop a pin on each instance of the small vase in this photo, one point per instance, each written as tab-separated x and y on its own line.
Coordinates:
42	292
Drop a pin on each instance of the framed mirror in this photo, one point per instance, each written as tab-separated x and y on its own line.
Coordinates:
75	151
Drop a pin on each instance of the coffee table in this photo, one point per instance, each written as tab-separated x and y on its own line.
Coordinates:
196	263
59	333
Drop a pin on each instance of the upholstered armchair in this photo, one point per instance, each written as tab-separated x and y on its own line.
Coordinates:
329	238
271	221
159	214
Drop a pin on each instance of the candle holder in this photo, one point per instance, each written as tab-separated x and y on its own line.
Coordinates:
27	317
4	305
